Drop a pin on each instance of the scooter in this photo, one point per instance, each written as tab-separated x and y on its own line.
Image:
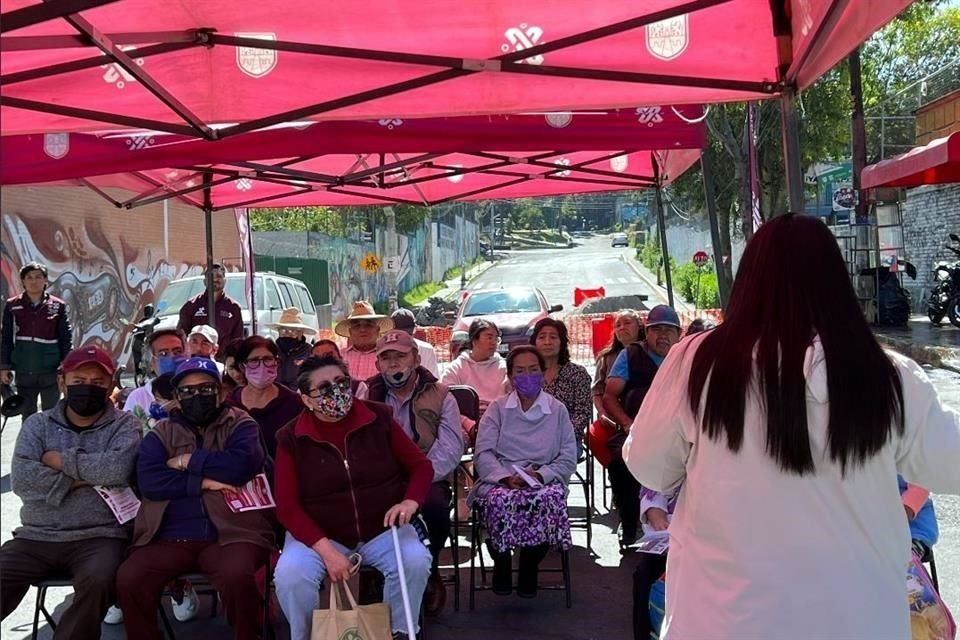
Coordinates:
944	299
141	333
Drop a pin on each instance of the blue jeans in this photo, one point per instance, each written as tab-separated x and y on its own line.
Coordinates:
300	572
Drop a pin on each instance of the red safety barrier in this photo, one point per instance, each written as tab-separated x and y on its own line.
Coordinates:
439	337
582	295
602	332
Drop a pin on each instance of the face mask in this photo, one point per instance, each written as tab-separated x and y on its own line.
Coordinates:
262	377
528	384
86	399
167	364
335	401
199	410
398	379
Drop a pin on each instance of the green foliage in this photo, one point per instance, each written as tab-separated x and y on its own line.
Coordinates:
696	286
649	254
419	293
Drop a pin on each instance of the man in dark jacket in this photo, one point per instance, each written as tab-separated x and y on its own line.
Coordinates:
64	461
628	381
292	342
228	319
36	337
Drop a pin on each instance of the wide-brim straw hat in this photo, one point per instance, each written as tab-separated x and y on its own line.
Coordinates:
363	310
292	318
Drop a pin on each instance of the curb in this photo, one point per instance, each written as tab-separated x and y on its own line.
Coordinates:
939	357
658	291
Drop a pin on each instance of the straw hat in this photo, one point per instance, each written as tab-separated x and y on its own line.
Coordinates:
292	318
363	310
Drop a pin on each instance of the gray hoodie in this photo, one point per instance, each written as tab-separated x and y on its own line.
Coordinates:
102	454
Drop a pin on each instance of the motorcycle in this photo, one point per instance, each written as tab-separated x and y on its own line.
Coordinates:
436	313
141	333
944	299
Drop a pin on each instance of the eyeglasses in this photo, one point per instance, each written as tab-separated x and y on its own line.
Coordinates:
288	332
206	389
341	383
264	361
166	353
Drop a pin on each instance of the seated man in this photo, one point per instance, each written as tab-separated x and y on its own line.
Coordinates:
168	348
362	327
185	523
429	415
68	529
204	342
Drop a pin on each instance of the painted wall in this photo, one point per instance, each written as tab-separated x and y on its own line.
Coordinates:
453	245
106	263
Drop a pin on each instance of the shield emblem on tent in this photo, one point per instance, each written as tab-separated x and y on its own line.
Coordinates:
255	62
56	145
668	38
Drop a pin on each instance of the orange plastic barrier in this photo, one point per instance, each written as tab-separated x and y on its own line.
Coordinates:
582	295
602	332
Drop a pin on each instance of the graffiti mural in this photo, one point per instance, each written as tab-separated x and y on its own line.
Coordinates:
104	279
348	280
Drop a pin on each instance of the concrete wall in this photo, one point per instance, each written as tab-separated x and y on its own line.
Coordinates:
685	240
107	263
452	246
929	214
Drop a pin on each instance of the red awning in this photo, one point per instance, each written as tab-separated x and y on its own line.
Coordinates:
185	65
935	163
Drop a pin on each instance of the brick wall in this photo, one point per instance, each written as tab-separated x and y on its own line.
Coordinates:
929	214
106	262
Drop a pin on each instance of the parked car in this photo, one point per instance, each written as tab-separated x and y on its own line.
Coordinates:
619	240
272	294
515	311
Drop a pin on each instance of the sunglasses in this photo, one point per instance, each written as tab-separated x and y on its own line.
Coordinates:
206	389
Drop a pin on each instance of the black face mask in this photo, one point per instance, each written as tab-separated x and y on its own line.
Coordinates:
199	410
86	400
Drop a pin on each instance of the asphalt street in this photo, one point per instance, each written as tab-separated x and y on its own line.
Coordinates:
601	576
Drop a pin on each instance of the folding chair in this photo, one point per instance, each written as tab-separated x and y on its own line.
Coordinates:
928	559
40	606
468	403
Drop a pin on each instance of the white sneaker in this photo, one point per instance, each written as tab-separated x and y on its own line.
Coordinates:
187	610
114	616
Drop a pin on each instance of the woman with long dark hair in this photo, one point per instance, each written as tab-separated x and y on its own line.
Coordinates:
566	381
788	425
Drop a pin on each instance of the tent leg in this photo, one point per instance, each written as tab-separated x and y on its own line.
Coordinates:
662	226
710	195
208	225
790	126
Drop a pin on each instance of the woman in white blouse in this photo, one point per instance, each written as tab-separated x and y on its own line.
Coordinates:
788	425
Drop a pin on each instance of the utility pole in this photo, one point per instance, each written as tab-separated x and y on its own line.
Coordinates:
392	251
710	195
858	133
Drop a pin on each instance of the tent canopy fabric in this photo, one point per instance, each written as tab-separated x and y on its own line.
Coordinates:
34	158
197	63
935	163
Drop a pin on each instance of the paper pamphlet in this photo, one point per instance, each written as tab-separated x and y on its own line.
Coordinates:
121	500
530	480
655	542
254	495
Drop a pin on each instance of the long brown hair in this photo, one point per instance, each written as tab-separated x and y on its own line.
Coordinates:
793	286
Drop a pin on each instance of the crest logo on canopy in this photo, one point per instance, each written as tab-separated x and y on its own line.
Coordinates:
618	163
56	145
456	177
522	38
560	119
118	76
255	62
667	39
563	162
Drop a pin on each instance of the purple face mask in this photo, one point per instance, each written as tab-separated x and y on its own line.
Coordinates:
528	385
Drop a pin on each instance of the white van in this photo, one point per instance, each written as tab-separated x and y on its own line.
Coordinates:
272	293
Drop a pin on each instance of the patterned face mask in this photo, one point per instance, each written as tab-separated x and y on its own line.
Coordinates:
333	400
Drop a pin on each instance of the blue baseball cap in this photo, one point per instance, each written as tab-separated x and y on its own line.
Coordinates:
663	315
196	365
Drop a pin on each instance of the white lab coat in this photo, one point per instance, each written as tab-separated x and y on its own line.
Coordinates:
757	553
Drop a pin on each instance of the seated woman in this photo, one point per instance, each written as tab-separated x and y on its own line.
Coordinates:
526	431
627	329
268	402
184	523
328	348
656	510
481	367
336	500
566	381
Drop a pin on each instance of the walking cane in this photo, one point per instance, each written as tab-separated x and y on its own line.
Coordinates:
403	583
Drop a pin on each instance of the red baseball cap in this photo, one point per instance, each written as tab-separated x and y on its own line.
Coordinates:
88	355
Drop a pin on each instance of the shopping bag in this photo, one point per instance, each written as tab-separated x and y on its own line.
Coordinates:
930	618
657	606
366	622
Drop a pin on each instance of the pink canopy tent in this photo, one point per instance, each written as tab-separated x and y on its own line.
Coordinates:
72	65
935	163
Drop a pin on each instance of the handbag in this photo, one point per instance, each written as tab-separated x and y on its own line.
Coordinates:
359	622
930	618
599	436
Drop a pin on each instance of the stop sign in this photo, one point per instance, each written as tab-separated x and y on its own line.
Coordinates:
700	258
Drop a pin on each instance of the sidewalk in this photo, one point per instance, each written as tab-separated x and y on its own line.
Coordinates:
451	288
925	343
659	292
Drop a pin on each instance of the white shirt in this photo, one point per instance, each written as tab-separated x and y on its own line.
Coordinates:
488	378
140	398
759	553
428	357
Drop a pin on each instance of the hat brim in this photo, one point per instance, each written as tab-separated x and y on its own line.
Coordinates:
343	327
664	324
293	325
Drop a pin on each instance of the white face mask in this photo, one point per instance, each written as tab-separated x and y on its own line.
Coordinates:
397	379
